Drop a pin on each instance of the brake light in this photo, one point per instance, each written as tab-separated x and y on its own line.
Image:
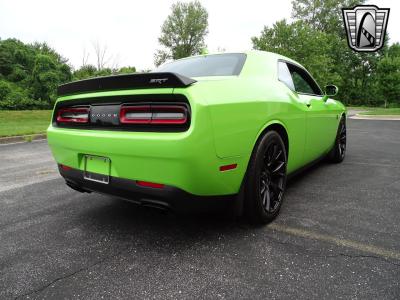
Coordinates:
154	114
73	115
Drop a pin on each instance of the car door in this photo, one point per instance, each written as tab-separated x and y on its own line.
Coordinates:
320	120
297	120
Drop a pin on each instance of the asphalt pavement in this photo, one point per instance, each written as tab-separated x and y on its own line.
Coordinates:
337	236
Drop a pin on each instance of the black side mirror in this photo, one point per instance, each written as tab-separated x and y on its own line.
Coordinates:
331	90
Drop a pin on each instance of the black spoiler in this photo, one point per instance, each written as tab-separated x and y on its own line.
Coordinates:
125	81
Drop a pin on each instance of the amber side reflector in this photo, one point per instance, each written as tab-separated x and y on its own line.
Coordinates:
227	167
150	184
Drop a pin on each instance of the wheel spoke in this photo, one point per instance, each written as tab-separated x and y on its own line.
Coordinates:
277	155
266	199
272	177
273	156
279	174
268	157
279	167
263	187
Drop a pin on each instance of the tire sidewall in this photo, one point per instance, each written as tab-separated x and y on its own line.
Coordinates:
253	197
334	155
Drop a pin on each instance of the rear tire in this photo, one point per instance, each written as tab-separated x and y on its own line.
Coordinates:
338	152
266	179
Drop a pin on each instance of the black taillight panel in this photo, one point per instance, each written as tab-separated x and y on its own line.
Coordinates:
132	113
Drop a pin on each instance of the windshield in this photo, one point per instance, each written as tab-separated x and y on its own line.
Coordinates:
207	65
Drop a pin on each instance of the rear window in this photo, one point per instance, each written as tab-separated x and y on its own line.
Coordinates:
207	65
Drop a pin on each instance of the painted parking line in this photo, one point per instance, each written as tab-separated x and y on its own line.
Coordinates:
385	253
376	117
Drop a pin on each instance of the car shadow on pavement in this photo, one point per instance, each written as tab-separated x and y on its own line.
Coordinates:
299	177
125	221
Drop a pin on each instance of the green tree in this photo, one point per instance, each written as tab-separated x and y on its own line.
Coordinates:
322	15
388	76
89	71
126	70
302	43
183	32
317	39
85	71
30	74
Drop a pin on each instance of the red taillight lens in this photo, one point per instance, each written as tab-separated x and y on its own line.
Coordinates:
73	115
154	114
65	168
227	167
150	184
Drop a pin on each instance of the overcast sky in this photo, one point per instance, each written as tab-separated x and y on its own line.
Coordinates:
130	28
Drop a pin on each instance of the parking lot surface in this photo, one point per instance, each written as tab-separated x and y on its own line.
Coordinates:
338	235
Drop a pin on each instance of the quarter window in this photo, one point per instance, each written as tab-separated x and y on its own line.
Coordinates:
284	75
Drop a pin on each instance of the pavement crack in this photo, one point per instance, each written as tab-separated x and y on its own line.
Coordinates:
362	256
340	254
66	276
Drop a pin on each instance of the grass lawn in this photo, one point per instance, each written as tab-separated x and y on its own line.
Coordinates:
23	122
382	111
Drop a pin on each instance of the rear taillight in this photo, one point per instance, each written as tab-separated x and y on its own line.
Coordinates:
154	114
73	115
169	114
140	114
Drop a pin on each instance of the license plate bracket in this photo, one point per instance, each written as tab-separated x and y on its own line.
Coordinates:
97	168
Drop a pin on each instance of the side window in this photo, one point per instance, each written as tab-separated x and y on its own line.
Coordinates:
303	82
300	84
284	75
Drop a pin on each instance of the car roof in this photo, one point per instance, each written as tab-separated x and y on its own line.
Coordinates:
254	53
258	62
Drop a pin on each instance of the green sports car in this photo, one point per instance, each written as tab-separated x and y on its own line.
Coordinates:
223	129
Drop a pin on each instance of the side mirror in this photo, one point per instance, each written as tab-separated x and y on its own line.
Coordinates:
330	91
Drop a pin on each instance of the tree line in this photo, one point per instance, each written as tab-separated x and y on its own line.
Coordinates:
30	74
315	37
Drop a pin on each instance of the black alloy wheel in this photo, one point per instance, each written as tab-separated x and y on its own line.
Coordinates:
338	152
342	139
266	179
272	177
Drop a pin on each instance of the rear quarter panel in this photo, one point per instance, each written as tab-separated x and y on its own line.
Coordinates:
241	108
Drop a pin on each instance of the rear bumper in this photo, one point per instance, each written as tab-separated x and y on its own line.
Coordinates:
167	197
183	160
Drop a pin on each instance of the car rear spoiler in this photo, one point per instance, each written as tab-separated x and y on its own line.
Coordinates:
124	82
